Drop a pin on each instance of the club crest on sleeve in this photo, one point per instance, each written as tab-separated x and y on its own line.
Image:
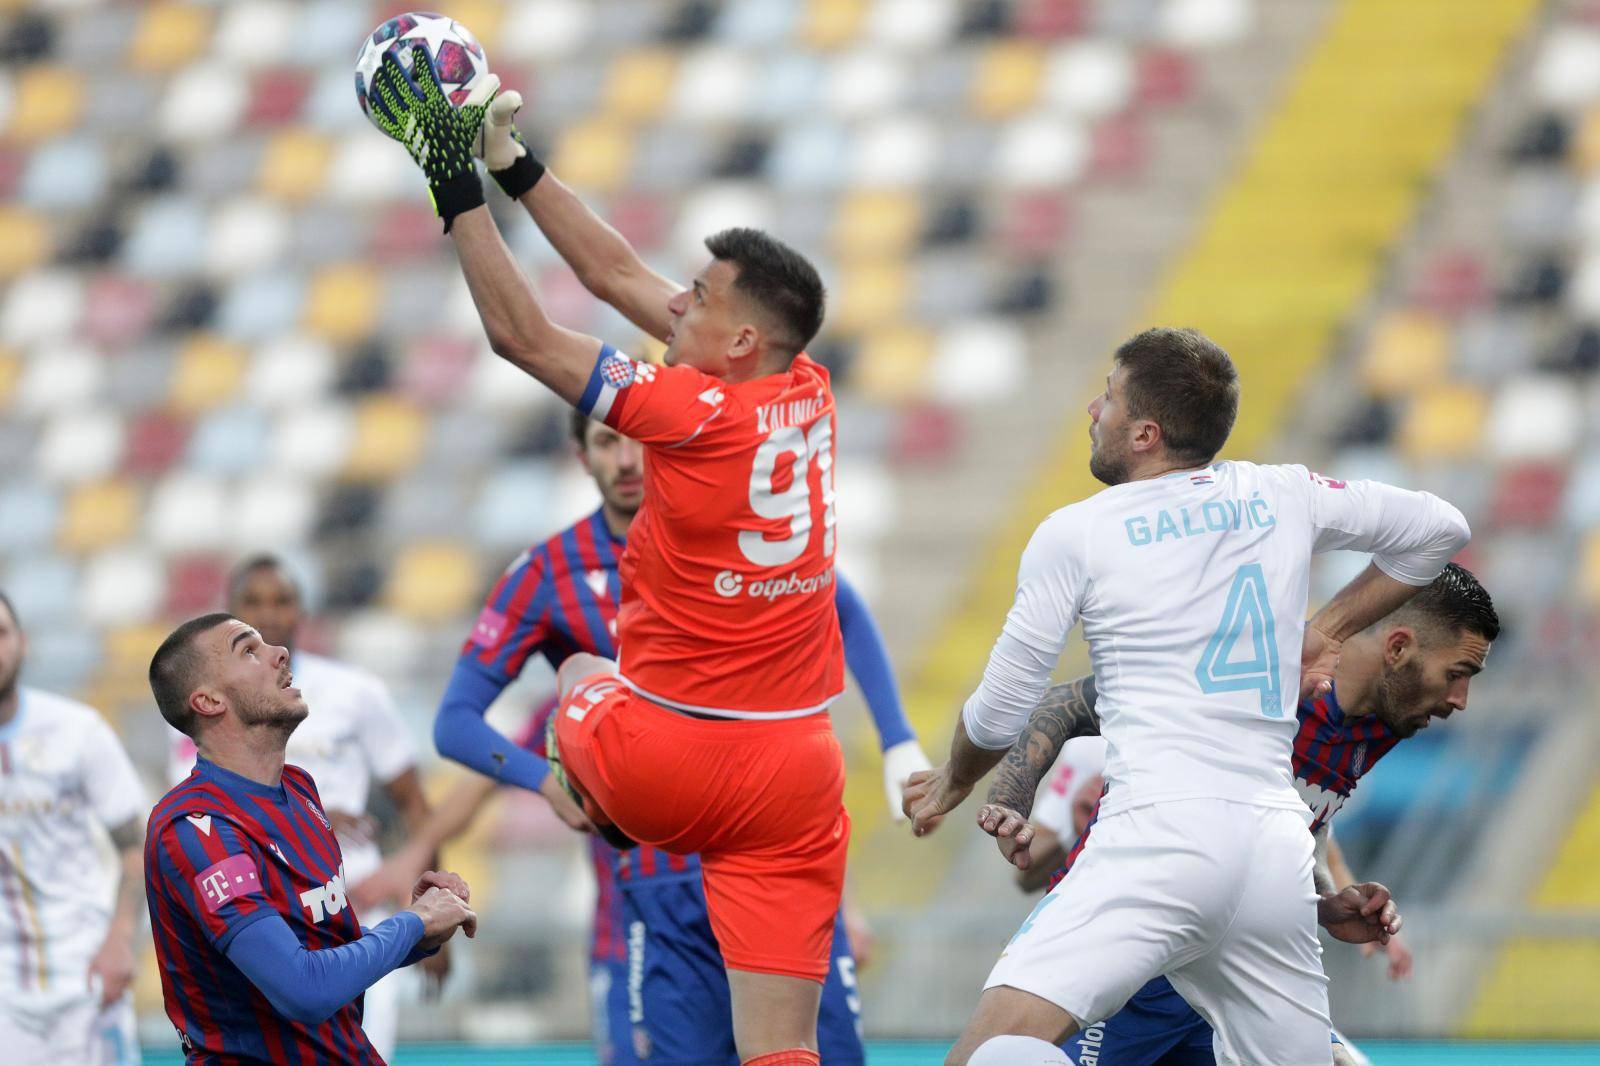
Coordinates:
201	822
1327	482
225	881
618	371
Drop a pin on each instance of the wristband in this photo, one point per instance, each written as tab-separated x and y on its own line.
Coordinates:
520	176
457	195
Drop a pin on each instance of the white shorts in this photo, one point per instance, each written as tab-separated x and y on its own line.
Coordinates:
1215	895
76	1030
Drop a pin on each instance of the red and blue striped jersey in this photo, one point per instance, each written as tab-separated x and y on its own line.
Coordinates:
1331	752
221	853
558	598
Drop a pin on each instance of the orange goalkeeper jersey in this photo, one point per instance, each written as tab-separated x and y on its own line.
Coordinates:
727	580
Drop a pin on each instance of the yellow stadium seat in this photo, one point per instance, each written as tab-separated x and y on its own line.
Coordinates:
876	223
1444	422
891	364
389	437
832	23
128	648
433	582
593	155
1008	78
871	294
293	165
169	36
48	101
482	17
99	515
1589	574
1409	351
209	371
344	302
27	242
10	370
1586	148
639	84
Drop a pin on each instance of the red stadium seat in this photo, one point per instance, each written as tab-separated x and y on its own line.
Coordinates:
1164	77
1528	494
276	97
194	584
155	440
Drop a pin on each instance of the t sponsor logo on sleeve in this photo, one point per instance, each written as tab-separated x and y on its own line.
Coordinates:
487	630
223	882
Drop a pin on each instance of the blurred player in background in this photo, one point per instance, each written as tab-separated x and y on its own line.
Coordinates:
67	921
561	597
352	738
262	958
708	734
1191	578
1396	676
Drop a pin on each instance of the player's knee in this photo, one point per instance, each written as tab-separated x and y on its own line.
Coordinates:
1016	1051
577	667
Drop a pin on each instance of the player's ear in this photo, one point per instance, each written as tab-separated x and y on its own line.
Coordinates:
208	703
1146	435
1399	644
746	342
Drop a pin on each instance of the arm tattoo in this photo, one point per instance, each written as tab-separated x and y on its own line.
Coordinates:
1066	711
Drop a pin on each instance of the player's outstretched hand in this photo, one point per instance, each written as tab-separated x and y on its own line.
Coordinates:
442	913
1360	914
499	144
899	763
1011	832
1399	955
111	970
565	806
1319	656
450	882
929	796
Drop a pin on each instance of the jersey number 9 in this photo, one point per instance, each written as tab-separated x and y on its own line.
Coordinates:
793	504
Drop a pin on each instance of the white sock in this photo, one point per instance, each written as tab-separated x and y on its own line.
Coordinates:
1018	1051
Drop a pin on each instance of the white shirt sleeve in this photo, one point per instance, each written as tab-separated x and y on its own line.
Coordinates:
116	795
1051	582
1053	809
1411	535
385	740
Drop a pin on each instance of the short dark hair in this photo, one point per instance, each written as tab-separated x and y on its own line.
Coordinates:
580	428
779	279
254	564
1186	384
11	608
175	670
1454	602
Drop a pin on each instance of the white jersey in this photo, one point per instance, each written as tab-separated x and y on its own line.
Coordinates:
64	781
1192	591
352	737
1082	759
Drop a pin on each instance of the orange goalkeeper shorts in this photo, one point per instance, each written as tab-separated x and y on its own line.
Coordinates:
760	801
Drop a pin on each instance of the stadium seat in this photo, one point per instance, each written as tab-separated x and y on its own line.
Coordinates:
203	103
639	85
208	372
80	445
32	512
167	239
195	585
827	24
1566	71
389	434
291	370
47	100
41	307
312	440
117	308
1445	421
187	511
895	152
1408	351
97	515
433	581
69	172
594	155
871	293
246	235
43	586
383	642
514	499
1039	150
231	440
28	242
1534	417
155	440
810	156
293	165
864	83
712	84
544	29
1008	79
1528	494
342	303
1089	79
979	361
61	377
169	35
878	222
1205	23
271	510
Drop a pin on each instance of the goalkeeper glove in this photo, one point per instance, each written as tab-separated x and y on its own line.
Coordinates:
413	109
502	148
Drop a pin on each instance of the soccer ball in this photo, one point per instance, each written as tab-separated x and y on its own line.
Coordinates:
457	56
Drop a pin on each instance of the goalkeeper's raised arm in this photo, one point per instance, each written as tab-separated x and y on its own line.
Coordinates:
412	109
606	264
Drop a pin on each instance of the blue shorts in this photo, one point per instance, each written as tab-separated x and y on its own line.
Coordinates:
608	1013
678	990
1156	1028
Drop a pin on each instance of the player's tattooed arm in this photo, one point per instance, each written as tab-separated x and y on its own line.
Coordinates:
1321	868
1065	711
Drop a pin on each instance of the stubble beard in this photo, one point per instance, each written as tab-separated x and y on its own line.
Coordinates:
1397	691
